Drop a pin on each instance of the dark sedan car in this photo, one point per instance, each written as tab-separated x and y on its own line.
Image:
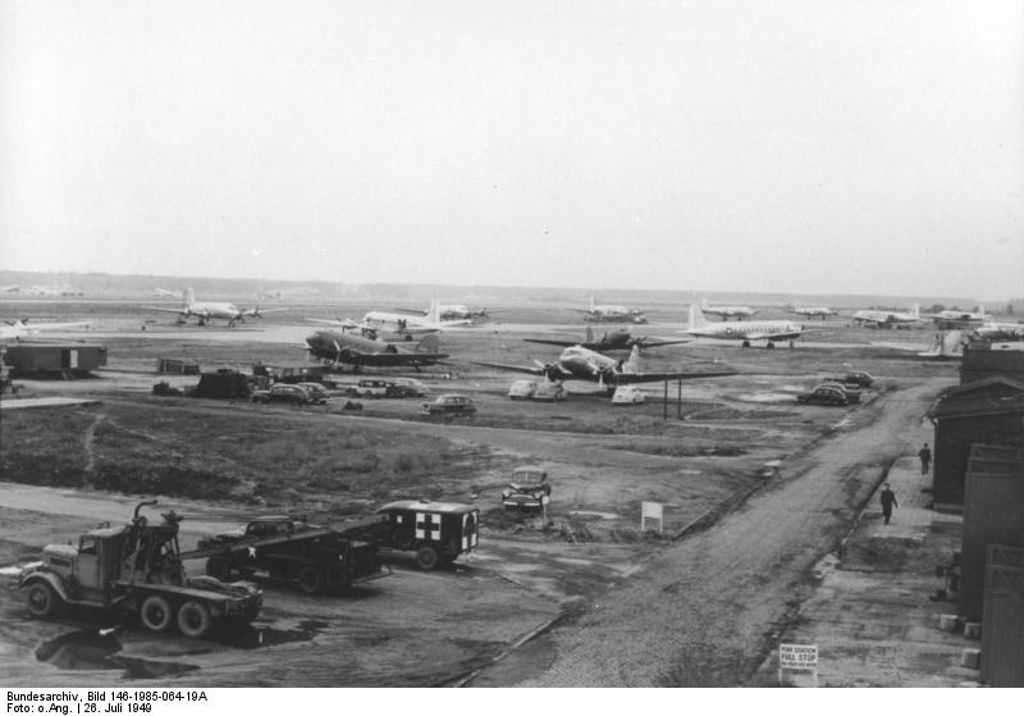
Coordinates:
825	395
283	393
449	404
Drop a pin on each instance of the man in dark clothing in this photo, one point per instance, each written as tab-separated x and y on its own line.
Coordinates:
926	458
888	498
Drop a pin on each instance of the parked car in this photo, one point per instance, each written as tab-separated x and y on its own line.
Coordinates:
522	389
628	395
529	489
449	404
548	390
852	391
859	378
282	393
372	388
317	393
408	388
824	395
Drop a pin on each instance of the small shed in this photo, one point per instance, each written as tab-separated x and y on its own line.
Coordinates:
52	360
224	383
981	361
993	514
989	412
289	373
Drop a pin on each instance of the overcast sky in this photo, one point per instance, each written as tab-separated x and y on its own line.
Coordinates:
790	146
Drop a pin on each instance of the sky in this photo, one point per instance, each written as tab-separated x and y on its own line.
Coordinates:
861	147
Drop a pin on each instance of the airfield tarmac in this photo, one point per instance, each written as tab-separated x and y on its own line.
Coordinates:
593	601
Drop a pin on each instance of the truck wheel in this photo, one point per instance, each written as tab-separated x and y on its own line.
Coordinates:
42	600
194	619
402	538
309	580
218	568
426	557
156	613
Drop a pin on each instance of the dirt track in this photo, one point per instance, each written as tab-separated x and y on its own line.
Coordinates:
700	615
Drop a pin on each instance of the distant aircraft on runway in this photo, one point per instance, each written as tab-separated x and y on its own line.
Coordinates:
606	313
204	311
954	318
16	330
452	312
888	319
617	340
401	323
579	363
746	331
338	347
999	331
740	313
821	312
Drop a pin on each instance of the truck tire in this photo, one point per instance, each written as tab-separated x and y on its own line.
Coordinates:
194	620
309	580
156	613
401	538
43	601
427	558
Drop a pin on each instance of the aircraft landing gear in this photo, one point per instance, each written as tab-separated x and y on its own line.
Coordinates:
746	344
771	345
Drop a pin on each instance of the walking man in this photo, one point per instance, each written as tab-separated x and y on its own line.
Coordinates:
926	458
888	498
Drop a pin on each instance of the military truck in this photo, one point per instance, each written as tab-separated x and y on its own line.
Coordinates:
437	531
287	548
137	568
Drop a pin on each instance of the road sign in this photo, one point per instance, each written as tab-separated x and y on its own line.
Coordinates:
803	657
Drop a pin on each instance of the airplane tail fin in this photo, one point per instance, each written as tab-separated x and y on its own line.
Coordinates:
697	319
915	310
190	297
632	364
590	335
429	344
434	315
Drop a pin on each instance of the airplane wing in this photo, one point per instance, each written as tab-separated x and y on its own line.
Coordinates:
344	323
627	378
563	344
515	368
37	327
165	309
659	344
395	359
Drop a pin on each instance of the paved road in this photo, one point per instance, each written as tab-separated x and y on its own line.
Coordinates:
704	614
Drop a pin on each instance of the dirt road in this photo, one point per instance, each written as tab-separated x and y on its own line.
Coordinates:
704	613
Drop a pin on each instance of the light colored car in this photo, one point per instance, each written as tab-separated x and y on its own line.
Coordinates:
547	390
372	388
627	395
522	389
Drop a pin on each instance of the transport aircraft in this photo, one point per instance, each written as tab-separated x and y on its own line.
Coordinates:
888	319
954	318
945	345
618	340
999	331
452	312
405	324
16	330
740	313
207	310
579	363
746	331
607	313
339	347
821	312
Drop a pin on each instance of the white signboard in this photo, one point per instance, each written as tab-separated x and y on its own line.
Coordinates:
798	656
652	511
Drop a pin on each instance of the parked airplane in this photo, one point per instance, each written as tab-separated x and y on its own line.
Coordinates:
617	340
821	312
740	313
339	347
946	344
453	312
579	363
747	331
955	318
206	310
888	319
999	331
610	314
401	323
16	330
